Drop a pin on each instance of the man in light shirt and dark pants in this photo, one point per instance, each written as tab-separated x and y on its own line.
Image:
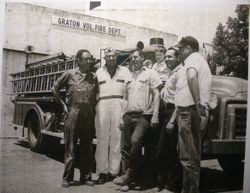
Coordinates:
168	163
153	137
192	97
141	114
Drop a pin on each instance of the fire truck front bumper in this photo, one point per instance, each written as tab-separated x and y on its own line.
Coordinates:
218	146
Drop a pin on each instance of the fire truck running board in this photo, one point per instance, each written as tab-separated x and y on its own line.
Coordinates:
61	135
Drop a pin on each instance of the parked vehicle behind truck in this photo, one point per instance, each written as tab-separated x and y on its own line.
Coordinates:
40	117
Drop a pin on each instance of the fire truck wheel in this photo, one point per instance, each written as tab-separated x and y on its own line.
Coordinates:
233	164
35	136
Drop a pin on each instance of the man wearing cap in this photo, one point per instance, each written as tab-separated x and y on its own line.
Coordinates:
192	97
81	90
141	114
112	81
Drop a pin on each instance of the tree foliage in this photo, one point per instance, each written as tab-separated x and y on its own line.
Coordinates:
230	45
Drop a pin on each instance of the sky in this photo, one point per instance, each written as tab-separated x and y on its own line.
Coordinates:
189	17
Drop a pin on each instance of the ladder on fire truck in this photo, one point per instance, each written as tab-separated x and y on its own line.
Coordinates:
40	75
32	91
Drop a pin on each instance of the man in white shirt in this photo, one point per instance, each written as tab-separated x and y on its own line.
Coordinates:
192	96
112	81
141	114
167	145
151	145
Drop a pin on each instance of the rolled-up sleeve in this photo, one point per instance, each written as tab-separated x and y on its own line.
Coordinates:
155	80
193	62
128	76
62	81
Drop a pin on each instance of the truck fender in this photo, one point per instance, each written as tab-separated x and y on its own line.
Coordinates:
34	108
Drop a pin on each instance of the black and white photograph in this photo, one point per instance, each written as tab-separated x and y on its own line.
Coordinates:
124	96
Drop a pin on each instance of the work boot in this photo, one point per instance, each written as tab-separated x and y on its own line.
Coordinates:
103	178
111	177
65	184
133	185
125	179
124	188
160	188
86	181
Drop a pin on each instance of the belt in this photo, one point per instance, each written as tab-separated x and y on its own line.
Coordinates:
111	97
185	108
135	113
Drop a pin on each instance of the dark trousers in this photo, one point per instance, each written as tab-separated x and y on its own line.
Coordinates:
151	146
151	142
78	124
135	128
167	151
189	143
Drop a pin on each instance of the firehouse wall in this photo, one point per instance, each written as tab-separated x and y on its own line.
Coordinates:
32	31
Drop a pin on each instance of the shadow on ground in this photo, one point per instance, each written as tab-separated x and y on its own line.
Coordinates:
212	180
55	151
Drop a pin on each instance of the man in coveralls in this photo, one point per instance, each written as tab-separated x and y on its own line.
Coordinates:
193	90
80	85
112	81
141	114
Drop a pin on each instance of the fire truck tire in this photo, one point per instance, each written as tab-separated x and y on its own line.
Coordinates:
233	164
35	137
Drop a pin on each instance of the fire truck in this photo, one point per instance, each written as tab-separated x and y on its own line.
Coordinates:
36	111
40	117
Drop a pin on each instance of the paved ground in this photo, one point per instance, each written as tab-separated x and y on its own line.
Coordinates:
23	171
